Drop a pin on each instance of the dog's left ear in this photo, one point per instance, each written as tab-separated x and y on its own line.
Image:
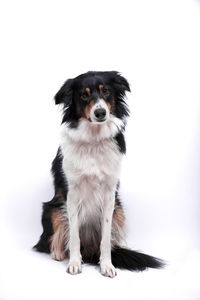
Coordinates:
120	80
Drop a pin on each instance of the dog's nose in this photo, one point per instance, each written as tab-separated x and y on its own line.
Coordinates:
100	113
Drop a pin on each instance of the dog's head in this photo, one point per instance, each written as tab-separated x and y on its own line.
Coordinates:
93	96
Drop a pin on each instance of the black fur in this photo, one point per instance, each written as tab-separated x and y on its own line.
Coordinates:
71	96
61	189
71	92
60	182
123	258
43	244
120	140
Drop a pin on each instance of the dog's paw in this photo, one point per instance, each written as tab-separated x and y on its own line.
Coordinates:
74	267
107	269
58	255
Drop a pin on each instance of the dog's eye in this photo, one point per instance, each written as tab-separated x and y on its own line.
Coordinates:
84	96
105	90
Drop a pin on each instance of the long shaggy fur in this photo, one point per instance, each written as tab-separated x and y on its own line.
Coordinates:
86	178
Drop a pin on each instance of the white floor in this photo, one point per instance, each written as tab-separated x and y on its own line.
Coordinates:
28	275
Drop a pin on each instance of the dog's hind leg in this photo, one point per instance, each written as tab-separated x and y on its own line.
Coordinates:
59	238
53	238
53	225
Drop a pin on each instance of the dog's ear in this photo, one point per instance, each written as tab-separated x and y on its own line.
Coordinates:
123	82
120	81
64	95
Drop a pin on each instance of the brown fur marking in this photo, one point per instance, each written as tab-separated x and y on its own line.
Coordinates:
58	238
118	215
100	87
88	108
88	91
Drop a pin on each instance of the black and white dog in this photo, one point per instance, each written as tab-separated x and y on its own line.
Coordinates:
84	221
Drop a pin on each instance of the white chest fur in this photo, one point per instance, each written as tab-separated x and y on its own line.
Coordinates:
91	163
90	150
100	159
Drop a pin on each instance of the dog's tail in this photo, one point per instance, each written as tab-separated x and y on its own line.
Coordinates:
123	258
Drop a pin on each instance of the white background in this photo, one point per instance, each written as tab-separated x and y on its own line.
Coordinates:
156	46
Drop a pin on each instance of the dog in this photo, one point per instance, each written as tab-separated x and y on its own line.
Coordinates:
85	220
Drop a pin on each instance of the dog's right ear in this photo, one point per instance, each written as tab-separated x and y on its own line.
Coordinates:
64	95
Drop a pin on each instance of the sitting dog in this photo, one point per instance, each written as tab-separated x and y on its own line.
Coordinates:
85	220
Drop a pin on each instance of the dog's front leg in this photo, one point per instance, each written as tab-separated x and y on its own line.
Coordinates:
107	269
74	266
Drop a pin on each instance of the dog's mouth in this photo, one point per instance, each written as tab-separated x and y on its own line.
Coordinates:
96	121
100	121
